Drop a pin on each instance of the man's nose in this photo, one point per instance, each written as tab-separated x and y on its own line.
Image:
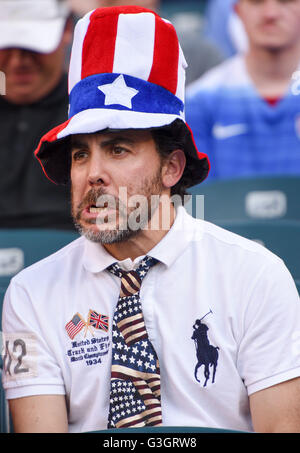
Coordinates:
17	56
98	171
271	9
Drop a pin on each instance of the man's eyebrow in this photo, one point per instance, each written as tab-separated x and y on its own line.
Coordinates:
116	140
77	143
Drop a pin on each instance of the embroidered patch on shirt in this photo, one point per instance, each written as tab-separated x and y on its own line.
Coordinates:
207	354
95	320
90	351
89	348
19	355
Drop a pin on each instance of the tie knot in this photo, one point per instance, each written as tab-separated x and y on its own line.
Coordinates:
131	280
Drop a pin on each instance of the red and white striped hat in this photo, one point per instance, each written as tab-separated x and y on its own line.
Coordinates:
127	71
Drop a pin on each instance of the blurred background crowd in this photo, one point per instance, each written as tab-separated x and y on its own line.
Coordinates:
242	103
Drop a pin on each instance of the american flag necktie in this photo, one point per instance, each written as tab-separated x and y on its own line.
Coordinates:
135	374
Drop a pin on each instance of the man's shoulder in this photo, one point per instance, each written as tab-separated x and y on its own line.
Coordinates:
53	265
230	73
220	240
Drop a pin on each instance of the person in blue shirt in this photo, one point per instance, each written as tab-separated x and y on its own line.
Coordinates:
245	113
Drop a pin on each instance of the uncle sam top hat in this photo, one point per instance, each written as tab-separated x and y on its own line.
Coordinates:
127	71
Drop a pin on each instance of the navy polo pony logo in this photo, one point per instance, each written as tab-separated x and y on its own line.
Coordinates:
207	354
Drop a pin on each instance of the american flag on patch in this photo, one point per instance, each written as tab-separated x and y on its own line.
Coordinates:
98	321
75	326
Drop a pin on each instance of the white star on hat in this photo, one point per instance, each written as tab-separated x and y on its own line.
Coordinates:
118	92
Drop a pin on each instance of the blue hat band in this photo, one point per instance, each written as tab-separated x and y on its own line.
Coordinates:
122	92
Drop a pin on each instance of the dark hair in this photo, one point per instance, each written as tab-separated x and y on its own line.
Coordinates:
177	135
171	137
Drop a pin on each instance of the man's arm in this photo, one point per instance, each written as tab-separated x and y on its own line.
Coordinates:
39	414
276	409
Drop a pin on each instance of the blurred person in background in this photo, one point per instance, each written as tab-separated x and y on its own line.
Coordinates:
245	113
201	53
224	28
33	37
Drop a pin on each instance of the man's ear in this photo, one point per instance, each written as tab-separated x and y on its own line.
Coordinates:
173	168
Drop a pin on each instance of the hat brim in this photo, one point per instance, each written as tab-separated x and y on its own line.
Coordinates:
42	37
53	151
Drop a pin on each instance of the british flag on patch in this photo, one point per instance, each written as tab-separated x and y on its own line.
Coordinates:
98	321
74	326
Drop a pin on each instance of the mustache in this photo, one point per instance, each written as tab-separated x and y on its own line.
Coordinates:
93	197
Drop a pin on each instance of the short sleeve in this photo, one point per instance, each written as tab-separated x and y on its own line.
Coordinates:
29	365
269	351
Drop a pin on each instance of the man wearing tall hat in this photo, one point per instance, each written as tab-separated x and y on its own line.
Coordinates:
151	318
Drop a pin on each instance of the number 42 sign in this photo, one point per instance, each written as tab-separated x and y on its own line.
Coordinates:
19	356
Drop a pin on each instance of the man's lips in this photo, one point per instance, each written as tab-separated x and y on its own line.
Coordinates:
272	26
92	211
23	79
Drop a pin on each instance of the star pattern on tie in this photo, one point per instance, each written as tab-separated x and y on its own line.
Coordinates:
124	402
135	375
118	92
142	355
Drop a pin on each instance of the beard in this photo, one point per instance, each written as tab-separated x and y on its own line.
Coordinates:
127	223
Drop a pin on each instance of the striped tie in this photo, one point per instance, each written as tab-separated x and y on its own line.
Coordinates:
135	375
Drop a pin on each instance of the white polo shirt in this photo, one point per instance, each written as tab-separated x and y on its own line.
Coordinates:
249	331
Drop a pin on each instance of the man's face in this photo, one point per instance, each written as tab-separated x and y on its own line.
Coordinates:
114	177
271	24
30	76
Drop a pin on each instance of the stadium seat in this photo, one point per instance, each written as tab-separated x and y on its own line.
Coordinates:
170	8
20	248
254	198
282	238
